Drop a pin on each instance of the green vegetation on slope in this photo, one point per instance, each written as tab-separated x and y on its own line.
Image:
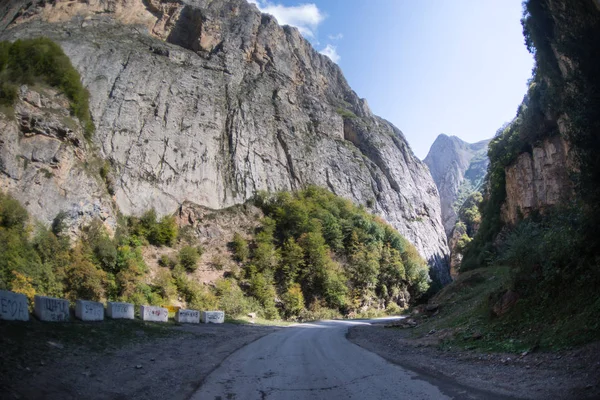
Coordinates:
318	250
43	261
33	60
314	256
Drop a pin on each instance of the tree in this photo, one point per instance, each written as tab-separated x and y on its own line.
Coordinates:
293	301
240	248
292	262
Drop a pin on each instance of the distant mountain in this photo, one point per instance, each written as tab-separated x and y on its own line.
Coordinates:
458	169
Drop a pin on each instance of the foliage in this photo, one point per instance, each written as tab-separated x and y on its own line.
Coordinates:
231	298
564	88
188	258
32	60
341	257
240	248
161	232
345	113
293	301
165	284
313	250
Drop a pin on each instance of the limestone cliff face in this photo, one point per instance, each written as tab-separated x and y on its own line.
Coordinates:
458	168
46	163
210	101
537	181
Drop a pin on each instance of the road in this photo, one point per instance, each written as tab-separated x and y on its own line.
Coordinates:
315	361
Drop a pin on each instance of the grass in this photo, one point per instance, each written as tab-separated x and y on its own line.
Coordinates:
465	312
20	339
344	113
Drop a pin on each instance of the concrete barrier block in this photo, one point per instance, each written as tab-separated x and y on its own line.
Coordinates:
116	310
215	317
152	313
13	306
187	316
89	310
51	309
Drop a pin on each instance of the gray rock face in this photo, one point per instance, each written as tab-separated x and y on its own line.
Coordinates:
458	169
211	102
46	163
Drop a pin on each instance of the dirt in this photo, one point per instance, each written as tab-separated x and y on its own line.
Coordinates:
572	374
171	366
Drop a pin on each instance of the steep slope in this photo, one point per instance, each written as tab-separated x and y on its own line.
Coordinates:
46	163
458	169
211	102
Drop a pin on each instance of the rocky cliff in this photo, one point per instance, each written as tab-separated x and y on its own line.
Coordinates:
458	168
46	163
537	181
210	102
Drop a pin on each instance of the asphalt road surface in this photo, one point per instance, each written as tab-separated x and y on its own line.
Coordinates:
315	361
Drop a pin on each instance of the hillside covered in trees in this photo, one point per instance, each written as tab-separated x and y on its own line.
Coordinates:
314	255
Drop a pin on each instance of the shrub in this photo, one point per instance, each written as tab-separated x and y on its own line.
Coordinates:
293	301
167	262
231	298
188	258
84	279
164	232
165	284
393	308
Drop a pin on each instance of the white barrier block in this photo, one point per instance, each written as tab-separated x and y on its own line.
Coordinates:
89	310
51	309
13	306
215	317
156	314
116	310
188	316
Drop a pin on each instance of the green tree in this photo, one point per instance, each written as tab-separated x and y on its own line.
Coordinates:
293	301
241	250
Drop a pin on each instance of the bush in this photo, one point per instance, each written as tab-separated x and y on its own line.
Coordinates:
231	298
293	301
240	248
167	262
164	232
188	258
165	284
317	311
393	308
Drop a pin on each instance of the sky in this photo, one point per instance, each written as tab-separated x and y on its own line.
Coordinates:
458	67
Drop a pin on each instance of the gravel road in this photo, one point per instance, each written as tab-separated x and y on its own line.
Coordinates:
316	361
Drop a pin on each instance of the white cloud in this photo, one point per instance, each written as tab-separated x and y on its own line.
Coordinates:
336	37
305	17
331	52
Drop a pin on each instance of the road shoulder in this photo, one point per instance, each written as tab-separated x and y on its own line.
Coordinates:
567	375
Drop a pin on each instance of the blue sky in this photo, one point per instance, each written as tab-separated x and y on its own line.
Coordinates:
429	66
